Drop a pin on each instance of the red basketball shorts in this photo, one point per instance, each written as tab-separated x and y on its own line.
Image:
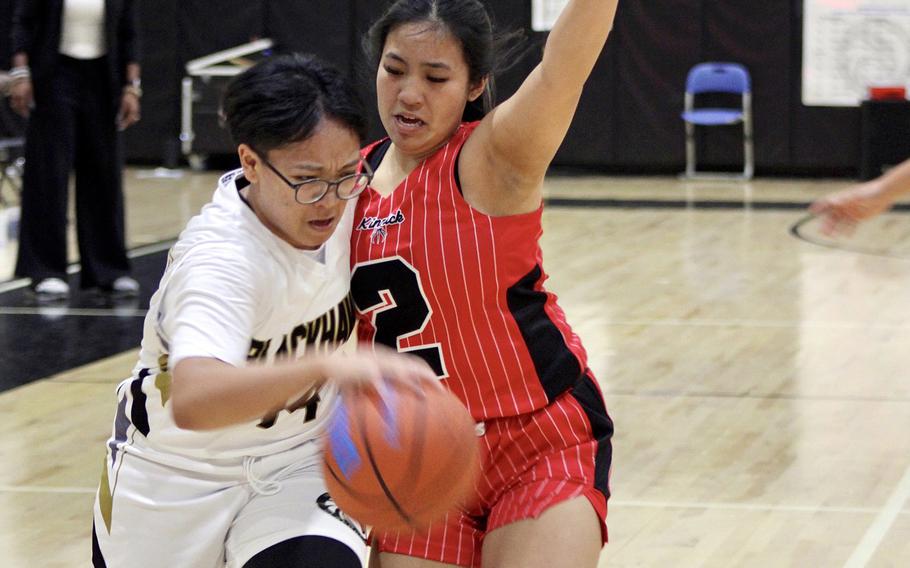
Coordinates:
530	463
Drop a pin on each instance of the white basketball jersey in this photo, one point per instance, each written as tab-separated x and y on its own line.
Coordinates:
234	291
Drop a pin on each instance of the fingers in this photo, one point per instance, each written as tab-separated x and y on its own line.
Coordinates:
833	225
383	369
21	105
129	112
820	206
407	371
21	97
127	119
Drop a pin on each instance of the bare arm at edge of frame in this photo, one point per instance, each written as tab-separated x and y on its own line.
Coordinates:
506	158
843	210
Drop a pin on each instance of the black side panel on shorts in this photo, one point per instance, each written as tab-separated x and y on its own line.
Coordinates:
556	365
97	557
588	396
306	552
138	414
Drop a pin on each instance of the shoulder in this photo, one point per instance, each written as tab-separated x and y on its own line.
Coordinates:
232	257
464	131
222	267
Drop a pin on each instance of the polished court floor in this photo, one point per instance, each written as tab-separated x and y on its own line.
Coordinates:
759	382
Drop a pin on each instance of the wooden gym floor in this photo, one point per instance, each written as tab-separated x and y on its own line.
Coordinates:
759	383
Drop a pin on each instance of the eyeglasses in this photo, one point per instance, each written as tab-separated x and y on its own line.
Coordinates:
313	190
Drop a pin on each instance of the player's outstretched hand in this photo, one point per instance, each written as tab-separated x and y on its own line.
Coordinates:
843	210
380	368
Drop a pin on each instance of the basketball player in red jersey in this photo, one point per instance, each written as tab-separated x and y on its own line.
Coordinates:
447	266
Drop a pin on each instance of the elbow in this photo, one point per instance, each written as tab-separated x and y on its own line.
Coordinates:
186	414
188	408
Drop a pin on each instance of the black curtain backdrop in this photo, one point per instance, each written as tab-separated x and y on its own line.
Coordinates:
628	119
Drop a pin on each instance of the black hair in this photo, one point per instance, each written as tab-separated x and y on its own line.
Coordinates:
469	22
282	99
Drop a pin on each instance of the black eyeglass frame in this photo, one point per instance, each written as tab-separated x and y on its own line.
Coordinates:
363	166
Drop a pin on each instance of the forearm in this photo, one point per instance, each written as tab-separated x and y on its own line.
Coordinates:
208	394
576	41
20	59
133	72
550	94
896	182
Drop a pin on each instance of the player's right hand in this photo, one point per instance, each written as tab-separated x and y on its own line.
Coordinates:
378	368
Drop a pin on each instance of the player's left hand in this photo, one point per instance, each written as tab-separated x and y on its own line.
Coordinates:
129	111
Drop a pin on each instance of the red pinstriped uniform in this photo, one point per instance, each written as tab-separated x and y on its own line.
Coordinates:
435	277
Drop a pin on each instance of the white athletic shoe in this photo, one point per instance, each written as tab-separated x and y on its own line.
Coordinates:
52	288
125	286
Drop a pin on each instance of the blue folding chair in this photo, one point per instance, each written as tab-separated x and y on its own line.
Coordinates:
719	77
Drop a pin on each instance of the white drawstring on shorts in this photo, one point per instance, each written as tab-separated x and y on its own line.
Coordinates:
260	486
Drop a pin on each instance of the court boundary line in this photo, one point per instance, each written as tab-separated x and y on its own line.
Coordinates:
631	503
720	505
55	311
734	322
42	489
796	231
704	205
74	268
748	395
881	525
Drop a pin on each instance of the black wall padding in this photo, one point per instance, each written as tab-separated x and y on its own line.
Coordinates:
628	118
322	28
6	20
155	137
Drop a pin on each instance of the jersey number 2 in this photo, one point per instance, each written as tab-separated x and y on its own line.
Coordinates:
403	313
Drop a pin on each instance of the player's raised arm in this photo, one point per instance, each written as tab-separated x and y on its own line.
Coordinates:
521	136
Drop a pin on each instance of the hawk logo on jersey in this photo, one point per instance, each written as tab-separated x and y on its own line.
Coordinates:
327	504
378	236
378	225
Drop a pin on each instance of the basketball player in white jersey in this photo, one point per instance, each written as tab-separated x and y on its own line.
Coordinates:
214	458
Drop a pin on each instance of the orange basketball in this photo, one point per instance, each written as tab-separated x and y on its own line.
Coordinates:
402	460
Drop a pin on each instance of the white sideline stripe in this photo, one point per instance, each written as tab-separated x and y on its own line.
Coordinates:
64	311
886	515
150	249
40	489
680	322
74	268
738	506
13	285
879	528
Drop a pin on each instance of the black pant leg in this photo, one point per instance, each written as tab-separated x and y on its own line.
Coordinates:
99	182
45	186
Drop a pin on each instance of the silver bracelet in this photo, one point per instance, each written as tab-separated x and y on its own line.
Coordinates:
20	73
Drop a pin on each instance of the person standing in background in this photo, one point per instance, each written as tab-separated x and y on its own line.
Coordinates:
76	76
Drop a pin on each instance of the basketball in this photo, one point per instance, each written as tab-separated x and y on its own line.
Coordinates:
401	460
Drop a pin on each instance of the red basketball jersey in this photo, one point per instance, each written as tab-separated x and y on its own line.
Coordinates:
434	277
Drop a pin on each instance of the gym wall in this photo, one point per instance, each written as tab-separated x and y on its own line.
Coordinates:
628	119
